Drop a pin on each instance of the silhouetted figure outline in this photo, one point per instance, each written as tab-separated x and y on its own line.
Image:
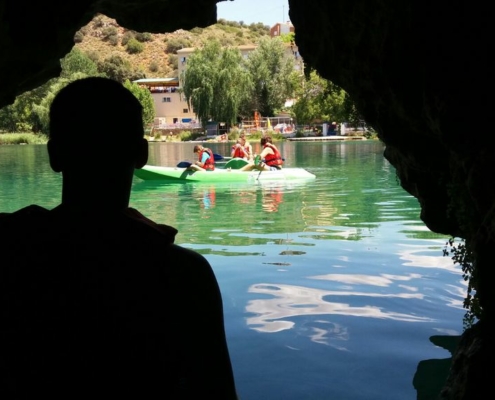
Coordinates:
97	301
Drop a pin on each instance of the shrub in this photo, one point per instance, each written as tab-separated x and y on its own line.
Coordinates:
174	44
173	61
227	41
134	47
128	35
143	37
153	67
108	32
113	40
185	136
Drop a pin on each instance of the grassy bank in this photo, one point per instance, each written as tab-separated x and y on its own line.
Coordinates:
22	138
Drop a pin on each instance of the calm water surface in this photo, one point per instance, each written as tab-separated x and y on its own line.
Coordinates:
332	288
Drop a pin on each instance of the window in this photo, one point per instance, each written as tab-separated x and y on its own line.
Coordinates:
185	110
166	99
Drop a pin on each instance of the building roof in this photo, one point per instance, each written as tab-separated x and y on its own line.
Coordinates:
156	80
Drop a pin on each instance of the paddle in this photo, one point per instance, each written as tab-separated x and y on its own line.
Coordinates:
236	163
257	161
217	157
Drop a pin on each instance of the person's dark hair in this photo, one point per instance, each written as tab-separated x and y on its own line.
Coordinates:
197	148
266	139
95	108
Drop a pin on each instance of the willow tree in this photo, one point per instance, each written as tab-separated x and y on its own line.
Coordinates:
215	83
272	71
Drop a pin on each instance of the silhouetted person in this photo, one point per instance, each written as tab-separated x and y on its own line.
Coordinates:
97	301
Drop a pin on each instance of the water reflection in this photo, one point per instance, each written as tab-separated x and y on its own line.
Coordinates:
288	301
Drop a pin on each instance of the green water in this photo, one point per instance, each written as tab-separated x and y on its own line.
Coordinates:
332	288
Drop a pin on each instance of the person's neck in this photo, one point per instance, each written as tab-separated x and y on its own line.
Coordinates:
102	203
84	196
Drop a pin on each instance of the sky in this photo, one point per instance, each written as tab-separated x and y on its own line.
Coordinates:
268	12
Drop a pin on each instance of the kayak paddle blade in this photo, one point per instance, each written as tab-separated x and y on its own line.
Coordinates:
236	163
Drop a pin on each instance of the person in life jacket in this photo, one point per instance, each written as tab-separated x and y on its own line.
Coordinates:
206	160
268	160
242	149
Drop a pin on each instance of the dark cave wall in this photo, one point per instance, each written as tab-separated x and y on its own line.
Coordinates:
421	76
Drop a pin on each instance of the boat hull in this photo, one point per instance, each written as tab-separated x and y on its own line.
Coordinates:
175	174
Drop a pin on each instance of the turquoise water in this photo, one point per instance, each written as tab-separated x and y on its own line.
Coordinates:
332	288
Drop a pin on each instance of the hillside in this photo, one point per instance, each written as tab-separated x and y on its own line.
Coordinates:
154	54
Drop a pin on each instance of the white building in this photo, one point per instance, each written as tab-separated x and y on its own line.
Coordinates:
170	106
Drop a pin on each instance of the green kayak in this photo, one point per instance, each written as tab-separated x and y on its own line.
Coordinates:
175	174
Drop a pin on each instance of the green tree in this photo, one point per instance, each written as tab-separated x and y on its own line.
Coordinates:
117	68
216	83
145	98
42	109
20	116
272	72
319	99
77	61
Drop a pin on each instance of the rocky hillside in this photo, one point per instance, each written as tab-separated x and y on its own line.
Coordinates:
154	54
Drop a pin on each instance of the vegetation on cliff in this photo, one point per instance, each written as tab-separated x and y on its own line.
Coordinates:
237	87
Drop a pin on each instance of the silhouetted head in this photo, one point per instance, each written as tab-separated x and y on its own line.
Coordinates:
95	120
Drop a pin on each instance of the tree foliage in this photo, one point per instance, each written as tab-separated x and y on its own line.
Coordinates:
145	98
77	61
319	100
42	109
117	68
216	83
272	73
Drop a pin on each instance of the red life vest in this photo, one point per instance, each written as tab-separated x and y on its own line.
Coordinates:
238	153
241	152
275	159
210	163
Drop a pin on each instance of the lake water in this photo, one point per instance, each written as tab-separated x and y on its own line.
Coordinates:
332	288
